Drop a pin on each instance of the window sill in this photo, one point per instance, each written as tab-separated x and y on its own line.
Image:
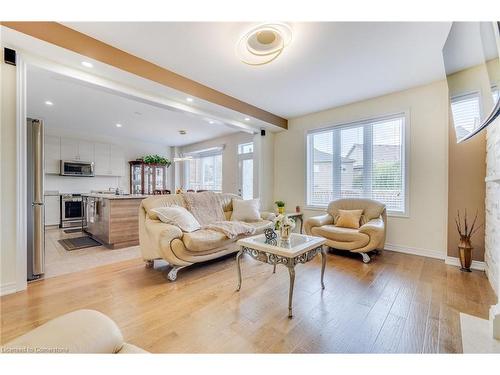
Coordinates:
389	213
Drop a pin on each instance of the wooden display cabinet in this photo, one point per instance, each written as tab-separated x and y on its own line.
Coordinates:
148	179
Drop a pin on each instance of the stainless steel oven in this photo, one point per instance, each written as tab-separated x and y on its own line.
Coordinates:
77	168
71	210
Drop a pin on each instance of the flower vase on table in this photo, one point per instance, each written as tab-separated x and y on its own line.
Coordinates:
285	226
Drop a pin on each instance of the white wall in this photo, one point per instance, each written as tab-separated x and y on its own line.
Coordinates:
8	214
131	150
424	231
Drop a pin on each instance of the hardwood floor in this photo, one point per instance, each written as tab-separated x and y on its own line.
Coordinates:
397	303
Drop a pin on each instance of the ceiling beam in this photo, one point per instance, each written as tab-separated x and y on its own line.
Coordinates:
65	37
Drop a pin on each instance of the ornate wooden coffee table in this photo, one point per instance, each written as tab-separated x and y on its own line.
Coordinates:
298	249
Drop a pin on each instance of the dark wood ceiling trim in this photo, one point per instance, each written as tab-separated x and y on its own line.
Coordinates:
65	37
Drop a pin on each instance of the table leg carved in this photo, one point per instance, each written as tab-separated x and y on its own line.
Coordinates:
290	263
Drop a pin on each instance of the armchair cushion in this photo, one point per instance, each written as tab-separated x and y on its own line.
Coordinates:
348	218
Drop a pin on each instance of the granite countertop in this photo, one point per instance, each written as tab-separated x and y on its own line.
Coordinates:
113	196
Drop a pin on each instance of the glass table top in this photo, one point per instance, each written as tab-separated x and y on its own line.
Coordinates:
297	243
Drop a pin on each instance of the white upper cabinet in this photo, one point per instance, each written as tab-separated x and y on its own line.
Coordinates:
109	160
117	161
69	149
102	157
74	149
52	154
85	151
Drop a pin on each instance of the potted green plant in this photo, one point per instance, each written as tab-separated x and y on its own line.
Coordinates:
281	206
156	159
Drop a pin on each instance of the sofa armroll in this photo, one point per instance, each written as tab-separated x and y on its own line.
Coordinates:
267	215
375	229
317	221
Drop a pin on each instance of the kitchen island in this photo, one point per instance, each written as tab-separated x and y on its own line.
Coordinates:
113	220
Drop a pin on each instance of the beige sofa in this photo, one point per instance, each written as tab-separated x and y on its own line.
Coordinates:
370	236
159	240
80	331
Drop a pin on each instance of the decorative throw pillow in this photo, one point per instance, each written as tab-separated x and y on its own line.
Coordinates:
349	218
246	210
179	216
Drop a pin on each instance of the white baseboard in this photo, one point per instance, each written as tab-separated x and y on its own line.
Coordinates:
476	265
415	251
8	288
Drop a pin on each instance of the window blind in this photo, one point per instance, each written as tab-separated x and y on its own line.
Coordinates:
204	170
466	113
358	160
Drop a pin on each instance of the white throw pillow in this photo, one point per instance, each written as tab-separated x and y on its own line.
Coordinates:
179	216
246	210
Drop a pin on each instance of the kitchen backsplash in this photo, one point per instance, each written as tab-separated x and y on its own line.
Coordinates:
65	184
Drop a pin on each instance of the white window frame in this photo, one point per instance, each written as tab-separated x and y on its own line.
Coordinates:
405	157
241	157
213	151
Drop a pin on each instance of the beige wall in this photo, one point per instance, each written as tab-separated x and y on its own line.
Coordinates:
467	163
8	178
424	231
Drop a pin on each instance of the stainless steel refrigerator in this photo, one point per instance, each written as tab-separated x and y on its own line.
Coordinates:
35	196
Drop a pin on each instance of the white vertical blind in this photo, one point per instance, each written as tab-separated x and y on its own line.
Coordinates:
364	159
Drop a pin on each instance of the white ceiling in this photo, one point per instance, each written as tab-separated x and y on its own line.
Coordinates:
327	64
84	107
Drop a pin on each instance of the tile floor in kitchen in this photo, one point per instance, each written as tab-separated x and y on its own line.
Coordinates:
59	261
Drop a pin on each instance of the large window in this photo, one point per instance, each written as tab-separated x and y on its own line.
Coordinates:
359	160
204	170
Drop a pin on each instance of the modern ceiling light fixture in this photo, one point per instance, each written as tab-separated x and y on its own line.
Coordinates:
189	99
49	103
118	125
87	64
264	43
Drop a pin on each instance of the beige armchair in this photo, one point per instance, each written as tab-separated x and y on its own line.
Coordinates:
370	236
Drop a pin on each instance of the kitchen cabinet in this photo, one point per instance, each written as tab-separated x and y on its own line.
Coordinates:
109	160
85	151
116	161
113	220
52	212
102	157
74	149
52	154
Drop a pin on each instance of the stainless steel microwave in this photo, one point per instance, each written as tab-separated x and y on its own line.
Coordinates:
77	168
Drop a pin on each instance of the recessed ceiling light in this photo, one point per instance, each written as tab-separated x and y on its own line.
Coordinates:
247	118
119	125
264	43
189	99
87	64
211	122
48	102
182	132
